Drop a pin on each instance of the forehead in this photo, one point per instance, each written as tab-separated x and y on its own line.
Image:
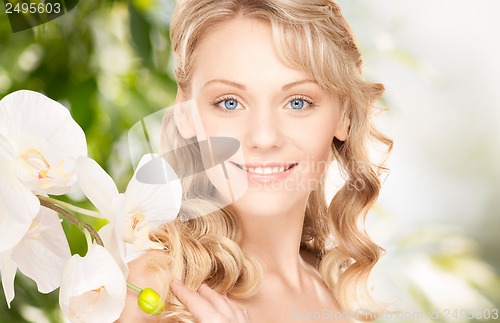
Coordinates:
242	50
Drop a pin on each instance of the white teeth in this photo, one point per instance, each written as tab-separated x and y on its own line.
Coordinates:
265	170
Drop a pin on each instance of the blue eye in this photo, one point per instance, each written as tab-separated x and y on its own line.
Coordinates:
297	103
300	103
230	104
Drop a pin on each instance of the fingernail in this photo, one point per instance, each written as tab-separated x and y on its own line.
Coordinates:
246	313
176	281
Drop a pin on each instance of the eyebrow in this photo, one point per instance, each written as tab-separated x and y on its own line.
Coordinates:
244	88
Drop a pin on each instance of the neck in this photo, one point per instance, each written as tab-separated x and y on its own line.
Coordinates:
275	241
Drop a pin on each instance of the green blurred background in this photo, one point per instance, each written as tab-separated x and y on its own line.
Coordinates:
109	62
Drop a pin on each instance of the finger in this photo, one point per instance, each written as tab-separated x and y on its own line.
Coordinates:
195	303
241	315
223	304
220	302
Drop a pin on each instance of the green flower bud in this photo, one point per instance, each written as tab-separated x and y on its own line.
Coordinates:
150	302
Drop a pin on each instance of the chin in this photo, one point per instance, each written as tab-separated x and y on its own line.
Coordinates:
268	203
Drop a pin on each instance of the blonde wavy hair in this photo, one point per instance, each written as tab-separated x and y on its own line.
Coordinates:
314	37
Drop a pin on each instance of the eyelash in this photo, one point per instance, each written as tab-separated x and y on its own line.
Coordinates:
311	103
218	101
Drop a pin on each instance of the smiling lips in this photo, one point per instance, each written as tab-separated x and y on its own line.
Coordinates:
268	169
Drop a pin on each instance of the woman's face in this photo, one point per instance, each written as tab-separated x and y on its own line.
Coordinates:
283	120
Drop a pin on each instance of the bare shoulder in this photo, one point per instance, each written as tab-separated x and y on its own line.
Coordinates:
143	273
142	268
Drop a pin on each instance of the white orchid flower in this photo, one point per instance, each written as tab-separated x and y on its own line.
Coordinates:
39	144
133	214
93	288
40	255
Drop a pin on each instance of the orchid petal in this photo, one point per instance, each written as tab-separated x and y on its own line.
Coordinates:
159	202
43	252
7	152
97	185
19	202
142	241
11	231
8	269
114	244
132	253
93	288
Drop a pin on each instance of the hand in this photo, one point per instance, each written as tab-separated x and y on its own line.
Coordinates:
208	306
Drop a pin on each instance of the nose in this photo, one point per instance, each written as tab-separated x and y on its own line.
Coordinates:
263	130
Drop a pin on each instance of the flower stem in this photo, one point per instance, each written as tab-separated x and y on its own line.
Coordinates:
70	207
134	287
72	218
88	238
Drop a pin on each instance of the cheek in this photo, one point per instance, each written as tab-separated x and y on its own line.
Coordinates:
317	136
215	126
317	158
317	149
230	183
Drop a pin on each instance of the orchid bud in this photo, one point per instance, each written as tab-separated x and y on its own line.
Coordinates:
150	302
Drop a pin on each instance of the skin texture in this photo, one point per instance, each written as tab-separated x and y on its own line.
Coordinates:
242	51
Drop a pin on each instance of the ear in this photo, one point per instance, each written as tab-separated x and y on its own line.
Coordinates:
342	129
183	116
